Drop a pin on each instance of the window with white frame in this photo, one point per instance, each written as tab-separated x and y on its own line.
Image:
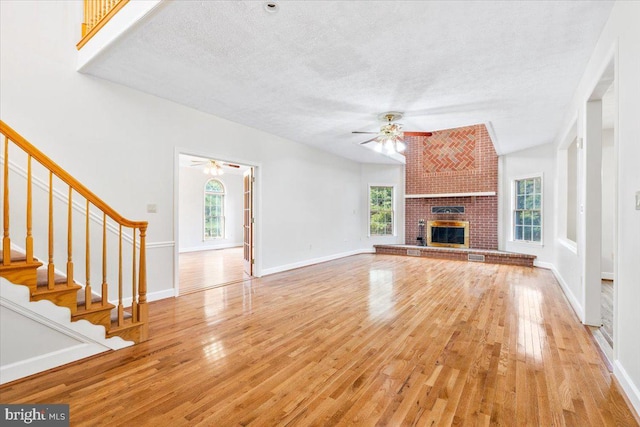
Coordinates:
213	210
381	210
527	210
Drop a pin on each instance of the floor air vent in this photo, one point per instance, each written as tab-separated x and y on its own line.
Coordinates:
476	257
413	252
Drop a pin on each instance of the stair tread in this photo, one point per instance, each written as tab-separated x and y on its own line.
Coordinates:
95	299
95	307
41	290
114	318
15	256
42	278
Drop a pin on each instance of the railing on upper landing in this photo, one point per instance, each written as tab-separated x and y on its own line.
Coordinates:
79	198
96	14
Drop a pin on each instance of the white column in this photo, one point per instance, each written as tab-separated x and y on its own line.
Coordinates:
590	209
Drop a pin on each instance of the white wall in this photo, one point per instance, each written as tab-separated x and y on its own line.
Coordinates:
619	40
534	161
190	210
608	203
121	143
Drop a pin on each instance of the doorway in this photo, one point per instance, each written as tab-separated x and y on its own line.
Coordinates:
214	223
609	190
600	210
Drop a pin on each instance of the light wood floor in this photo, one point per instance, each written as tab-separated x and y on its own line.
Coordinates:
607	311
365	340
207	269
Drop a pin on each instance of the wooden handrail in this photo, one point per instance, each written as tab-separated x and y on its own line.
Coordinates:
58	171
96	14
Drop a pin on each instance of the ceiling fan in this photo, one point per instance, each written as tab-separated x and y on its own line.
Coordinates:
391	136
213	167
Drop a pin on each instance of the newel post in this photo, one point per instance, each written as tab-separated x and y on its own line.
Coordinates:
143	307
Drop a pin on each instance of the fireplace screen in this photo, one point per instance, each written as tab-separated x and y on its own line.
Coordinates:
452	234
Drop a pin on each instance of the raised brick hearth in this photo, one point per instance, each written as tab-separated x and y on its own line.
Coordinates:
490	256
454	161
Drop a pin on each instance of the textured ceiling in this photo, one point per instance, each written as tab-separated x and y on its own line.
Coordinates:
317	70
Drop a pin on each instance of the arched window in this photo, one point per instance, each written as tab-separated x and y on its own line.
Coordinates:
213	210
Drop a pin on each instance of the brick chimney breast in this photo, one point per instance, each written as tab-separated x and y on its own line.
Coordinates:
452	162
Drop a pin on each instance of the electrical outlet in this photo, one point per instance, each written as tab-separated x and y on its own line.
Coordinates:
152	208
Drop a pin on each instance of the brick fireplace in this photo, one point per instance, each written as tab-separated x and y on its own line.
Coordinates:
453	168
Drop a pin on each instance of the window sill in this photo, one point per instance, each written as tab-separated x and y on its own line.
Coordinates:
527	243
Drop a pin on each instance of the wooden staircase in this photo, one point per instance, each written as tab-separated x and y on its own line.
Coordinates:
44	282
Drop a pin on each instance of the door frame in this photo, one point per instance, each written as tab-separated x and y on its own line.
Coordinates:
591	247
257	204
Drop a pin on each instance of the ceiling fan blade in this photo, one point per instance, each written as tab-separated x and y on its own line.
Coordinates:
369	140
231	165
410	133
356	131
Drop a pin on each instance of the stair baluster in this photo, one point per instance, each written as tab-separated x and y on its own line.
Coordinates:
105	286
6	241
87	285
70	238
134	293
120	305
29	239
51	270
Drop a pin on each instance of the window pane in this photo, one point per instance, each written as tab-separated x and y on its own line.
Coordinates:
214	186
538	185
537	234
528	201
520	187
529	186
528	218
520	202
535	218
519	218
527	233
536	201
518	232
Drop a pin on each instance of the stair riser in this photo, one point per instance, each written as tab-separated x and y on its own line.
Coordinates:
24	274
131	333
102	317
66	298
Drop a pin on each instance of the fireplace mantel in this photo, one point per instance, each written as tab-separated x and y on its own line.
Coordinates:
434	196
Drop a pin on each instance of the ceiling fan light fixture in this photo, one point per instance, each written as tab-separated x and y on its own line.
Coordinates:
213	168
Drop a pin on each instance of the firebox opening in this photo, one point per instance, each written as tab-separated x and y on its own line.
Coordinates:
452	234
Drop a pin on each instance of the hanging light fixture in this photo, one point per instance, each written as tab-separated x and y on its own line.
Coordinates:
391	138
213	168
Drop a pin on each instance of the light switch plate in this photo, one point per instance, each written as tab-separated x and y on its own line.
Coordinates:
152	208
638	200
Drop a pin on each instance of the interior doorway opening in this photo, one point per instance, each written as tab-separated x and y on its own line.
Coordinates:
215	222
609	191
600	211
